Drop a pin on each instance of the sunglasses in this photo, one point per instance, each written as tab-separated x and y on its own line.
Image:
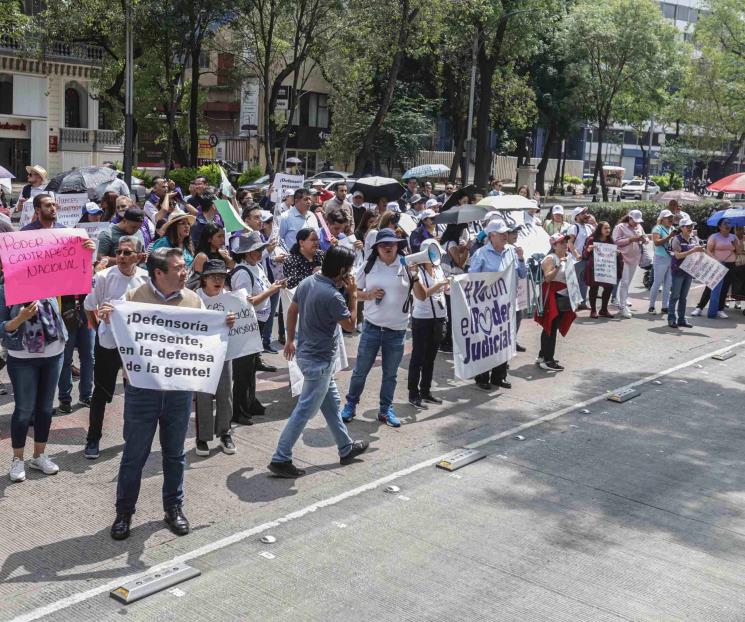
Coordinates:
124	251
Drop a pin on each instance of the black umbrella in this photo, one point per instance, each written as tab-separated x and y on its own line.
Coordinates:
376	187
457	196
81	179
461	214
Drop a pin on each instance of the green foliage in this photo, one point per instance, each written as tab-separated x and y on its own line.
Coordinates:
147	178
665	182
184	176
614	212
249	175
570	179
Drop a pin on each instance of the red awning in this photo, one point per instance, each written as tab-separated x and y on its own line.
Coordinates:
731	183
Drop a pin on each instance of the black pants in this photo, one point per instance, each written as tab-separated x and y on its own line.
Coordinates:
105	372
495	376
605	298
245	403
448	341
423	354
548	342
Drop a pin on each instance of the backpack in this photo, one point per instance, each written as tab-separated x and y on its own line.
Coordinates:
235	270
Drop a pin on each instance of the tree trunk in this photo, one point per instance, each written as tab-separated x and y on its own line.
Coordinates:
599	165
457	163
545	155
563	165
733	154
558	178
194	105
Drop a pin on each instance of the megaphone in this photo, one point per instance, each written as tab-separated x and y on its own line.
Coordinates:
432	254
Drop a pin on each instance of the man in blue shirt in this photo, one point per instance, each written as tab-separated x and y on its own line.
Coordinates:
45	210
494	256
297	217
321	309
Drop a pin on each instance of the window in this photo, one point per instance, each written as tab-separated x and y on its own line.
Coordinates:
225	64
693	16
76	106
682	13
6	93
668	10
318	110
105	116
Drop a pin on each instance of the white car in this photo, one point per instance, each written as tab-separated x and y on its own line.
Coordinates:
634	189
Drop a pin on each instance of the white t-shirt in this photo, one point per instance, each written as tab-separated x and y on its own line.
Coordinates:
242	280
582	231
393	279
423	309
108	285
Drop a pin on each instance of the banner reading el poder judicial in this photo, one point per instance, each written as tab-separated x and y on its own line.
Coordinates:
244	337
483	321
170	348
43	263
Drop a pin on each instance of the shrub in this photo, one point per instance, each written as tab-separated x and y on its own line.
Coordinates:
184	176
249	175
570	179
613	212
663	181
147	178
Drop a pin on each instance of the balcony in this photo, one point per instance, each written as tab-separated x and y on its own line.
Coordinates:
81	139
51	51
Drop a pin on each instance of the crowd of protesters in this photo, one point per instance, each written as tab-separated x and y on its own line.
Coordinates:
343	257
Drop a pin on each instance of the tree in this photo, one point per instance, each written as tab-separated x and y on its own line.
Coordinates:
610	55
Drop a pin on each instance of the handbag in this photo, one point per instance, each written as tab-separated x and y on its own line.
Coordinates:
71	313
562	304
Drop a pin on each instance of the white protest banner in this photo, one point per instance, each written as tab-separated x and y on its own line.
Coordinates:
407	223
575	294
605	258
522	294
168	348
70	208
296	376
27	213
482	304
282	182
244	337
93	229
704	269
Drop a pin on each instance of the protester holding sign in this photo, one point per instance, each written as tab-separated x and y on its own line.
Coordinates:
683	245
385	284
662	233
45	214
110	284
629	236
723	246
321	308
599	252
557	314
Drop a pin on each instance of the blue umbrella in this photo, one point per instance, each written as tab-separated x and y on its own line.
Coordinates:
427	170
6	174
735	216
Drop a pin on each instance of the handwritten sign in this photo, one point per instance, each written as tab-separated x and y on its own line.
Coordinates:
604	257
282	182
575	294
704	269
70	208
483	320
244	337
45	263
168	348
93	229
27	215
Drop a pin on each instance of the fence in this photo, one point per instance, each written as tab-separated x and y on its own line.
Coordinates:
502	167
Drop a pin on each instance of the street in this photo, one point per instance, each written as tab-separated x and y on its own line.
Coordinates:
582	509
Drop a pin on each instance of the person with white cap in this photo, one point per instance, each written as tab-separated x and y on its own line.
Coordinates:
424	231
416	205
681	246
722	246
358	207
583	227
495	256
37	180
629	236
662	233
555	222
288	200
91	212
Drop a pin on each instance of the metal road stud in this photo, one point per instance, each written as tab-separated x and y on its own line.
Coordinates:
723	356
391	489
623	396
153	582
459	458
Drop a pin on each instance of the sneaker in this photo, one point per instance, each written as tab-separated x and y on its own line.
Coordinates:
65	407
43	463
738	305
91	450
85	401
416	403
203	449
554	365
539	360
358	447
651	311
722	315
269	349
389	418
227	444
431	399
17	470
685	324
348	413
285	469
696	312
626	313
672	324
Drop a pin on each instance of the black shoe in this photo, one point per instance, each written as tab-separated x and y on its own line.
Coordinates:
416	402
663	311
520	348
242	420
203	449
65	407
120	528
264	367
672	324
685	324
484	385
227	444
428	397
269	349
257	409
176	521
505	384
447	348
358	447
85	401
285	469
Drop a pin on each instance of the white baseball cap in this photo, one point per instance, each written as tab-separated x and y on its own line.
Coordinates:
636	216
393	206
497	226
557	209
287	193
666	213
578	211
426	213
431	203
685	222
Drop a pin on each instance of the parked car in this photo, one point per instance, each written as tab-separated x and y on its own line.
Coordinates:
330	175
258	185
634	189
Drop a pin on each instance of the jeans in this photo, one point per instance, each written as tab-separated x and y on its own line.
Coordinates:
423	353
678	296
215	421
82	339
34	383
319	391
145	410
726	283
623	286
266	334
105	372
372	340
580	268
663	277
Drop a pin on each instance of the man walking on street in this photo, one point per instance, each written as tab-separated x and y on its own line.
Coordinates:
322	309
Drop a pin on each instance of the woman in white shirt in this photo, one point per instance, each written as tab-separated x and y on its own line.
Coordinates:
428	326
383	282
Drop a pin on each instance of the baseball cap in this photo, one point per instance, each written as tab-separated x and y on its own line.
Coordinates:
358	193
287	193
557	209
636	216
135	214
392	206
665	213
578	211
431	203
416	198
556	238
266	215
427	213
92	208
496	226
685	222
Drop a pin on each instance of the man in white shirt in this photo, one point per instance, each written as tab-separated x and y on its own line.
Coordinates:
110	284
583	227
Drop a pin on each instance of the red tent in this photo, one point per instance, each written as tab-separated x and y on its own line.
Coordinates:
731	183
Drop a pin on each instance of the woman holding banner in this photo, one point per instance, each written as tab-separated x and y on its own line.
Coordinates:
602	235
682	245
629	236
557	311
723	246
385	283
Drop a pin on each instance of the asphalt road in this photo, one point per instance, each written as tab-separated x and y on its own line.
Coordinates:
604	511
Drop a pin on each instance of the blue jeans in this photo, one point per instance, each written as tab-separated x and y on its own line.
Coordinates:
82	339
679	296
579	269
144	410
663	277
319	391
373	339
34	383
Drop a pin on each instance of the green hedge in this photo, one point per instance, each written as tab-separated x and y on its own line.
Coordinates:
663	181
184	176
613	212
252	174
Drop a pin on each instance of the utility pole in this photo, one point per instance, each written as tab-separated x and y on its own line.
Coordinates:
128	96
649	156
471	97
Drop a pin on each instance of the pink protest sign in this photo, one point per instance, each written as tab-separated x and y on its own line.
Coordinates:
44	263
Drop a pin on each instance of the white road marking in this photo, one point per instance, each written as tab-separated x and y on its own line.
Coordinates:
239	536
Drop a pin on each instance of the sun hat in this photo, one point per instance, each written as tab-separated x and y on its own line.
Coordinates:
247	242
387	235
177	217
39	170
214	266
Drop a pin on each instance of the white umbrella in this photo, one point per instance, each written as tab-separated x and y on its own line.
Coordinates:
427	170
507	202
